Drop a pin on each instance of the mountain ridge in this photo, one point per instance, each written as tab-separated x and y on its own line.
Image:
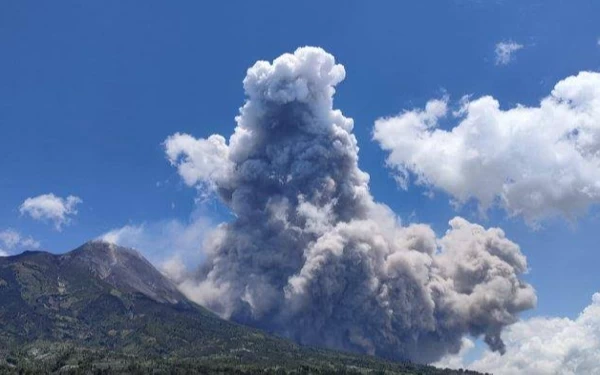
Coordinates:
102	306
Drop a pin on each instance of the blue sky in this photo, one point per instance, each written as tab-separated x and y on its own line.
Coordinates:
89	92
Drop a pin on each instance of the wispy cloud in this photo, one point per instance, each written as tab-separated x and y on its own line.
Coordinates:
174	246
11	240
505	52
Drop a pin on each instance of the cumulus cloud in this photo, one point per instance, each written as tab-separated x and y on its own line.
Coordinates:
538	162
199	161
544	346
310	254
11	241
174	246
457	361
49	207
505	52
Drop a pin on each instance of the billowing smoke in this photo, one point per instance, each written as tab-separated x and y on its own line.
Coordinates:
542	346
310	255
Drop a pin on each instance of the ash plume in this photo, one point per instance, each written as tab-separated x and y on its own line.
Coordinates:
310	255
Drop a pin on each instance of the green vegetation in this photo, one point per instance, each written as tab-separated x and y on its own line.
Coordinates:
56	316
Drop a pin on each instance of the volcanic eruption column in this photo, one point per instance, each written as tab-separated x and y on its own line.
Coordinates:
310	254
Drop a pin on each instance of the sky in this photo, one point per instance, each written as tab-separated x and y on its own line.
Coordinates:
90	92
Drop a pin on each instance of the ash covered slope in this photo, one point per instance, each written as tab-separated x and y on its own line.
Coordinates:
106	307
123	268
312	256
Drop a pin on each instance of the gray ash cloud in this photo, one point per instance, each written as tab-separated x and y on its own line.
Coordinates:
311	256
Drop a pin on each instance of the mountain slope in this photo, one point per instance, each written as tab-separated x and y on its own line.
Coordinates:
106	308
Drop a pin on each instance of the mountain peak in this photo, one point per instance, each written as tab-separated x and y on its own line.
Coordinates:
125	269
100	244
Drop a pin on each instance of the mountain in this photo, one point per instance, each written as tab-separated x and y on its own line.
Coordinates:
123	268
102	308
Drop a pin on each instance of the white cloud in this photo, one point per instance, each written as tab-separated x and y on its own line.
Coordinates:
11	240
544	346
505	52
457	361
537	162
49	207
199	161
173	246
